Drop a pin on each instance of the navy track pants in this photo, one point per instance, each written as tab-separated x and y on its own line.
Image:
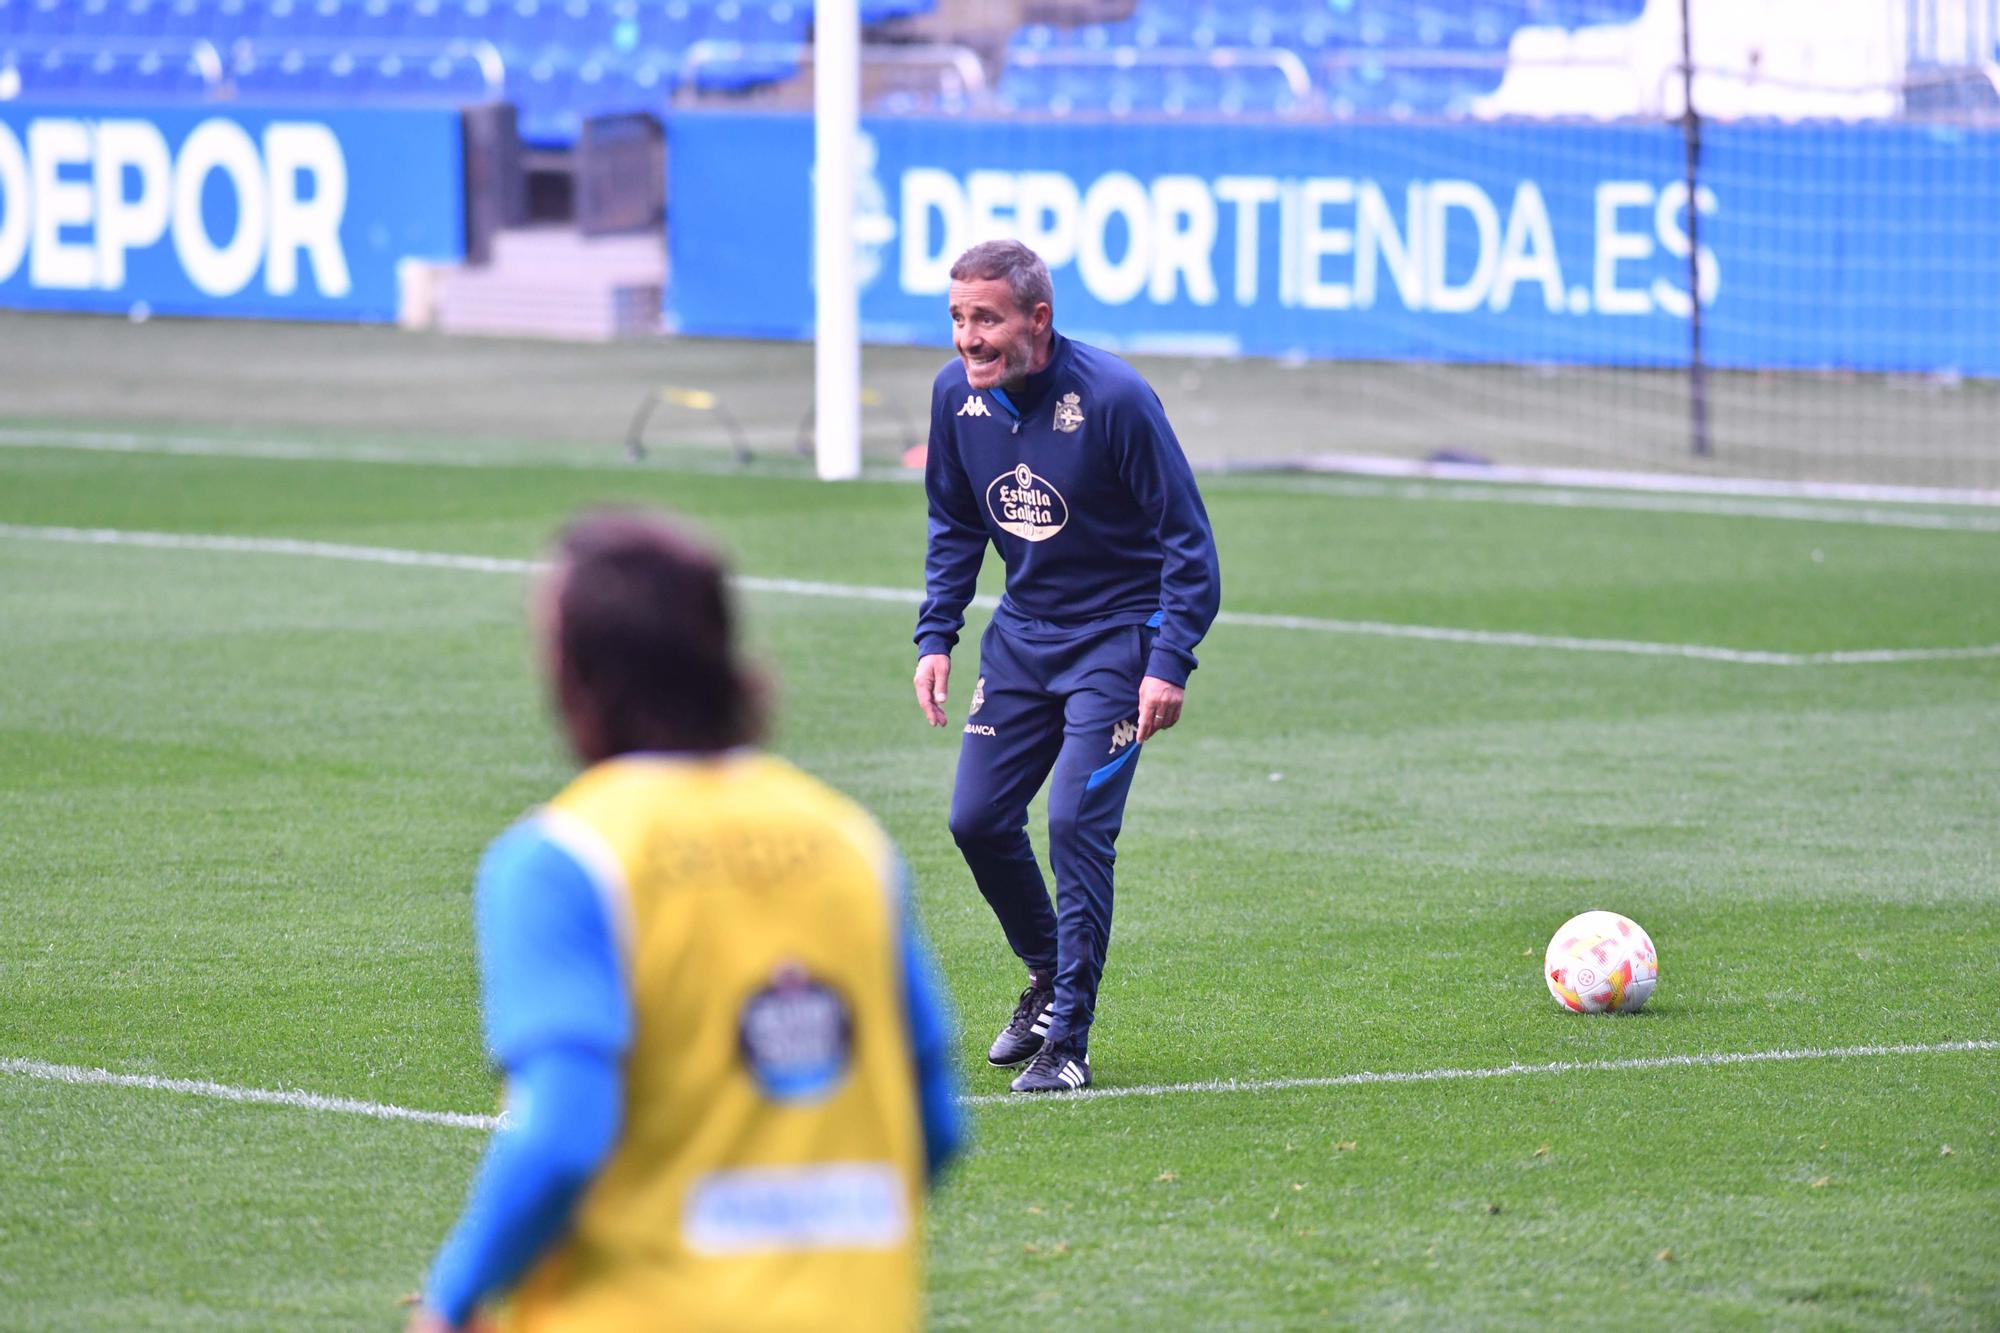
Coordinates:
1066	713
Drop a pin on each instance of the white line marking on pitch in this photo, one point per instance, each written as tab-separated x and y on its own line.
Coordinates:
1510	475
905	597
196	1087
1708	1061
856	592
80	1076
1615	501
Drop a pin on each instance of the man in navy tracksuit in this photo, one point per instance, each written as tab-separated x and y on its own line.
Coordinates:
1061	456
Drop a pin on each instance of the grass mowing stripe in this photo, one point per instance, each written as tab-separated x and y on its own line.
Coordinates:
312	1101
869	593
302	451
1621	494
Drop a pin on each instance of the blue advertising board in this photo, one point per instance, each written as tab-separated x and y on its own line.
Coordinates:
1871	247
206	211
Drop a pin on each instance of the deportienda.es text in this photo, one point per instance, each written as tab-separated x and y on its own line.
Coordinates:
1342	243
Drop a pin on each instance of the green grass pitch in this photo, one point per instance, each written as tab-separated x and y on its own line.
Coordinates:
241	795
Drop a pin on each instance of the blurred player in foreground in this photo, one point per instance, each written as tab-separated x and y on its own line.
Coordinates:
724	1045
1061	457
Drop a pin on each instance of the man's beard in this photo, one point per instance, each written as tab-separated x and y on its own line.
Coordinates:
1011	364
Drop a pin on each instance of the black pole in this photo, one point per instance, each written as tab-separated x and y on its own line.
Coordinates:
1691	136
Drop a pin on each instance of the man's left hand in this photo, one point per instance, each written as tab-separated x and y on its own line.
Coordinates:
1159	705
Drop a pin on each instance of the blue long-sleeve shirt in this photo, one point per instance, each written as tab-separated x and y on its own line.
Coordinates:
558	1020
1079	483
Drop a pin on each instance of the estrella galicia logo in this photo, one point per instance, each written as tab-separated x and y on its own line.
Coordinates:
796	1036
1026	505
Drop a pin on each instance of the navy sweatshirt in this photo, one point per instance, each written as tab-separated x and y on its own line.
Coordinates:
1079	483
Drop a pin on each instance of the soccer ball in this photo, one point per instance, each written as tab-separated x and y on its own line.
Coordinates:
1601	962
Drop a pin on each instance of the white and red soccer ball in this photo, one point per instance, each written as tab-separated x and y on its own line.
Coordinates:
1601	963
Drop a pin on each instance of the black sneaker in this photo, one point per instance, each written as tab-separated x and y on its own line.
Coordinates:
1022	1036
1057	1068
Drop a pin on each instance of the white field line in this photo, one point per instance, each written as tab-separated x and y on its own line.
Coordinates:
1650	481
1641	502
222	1092
856	592
80	1076
1700	1061
1647	492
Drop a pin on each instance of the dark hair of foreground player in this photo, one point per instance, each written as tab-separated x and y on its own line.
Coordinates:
638	635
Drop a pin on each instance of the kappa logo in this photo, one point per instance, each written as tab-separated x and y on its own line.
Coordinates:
1026	505
1123	735
979	729
974	406
1069	413
978	697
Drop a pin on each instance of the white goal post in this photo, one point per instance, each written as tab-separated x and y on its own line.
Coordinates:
837	296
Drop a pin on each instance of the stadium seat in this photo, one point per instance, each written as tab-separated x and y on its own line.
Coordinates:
880	11
49	18
128	18
430	20
545	96
218	21
671	27
54	74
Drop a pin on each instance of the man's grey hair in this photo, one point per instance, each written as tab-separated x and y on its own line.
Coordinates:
1025	273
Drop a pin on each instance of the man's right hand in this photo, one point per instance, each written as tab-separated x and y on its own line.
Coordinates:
932	682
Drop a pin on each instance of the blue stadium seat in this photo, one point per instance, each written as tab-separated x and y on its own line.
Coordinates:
1324	28
50	18
168	75
54	73
524	29
878	11
277	20
205	20
545	96
455	80
430	20
136	18
1025	88
736	67
671	27
575	25
754	43
268	72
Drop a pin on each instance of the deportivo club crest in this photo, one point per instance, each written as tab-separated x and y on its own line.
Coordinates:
978	696
1069	413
